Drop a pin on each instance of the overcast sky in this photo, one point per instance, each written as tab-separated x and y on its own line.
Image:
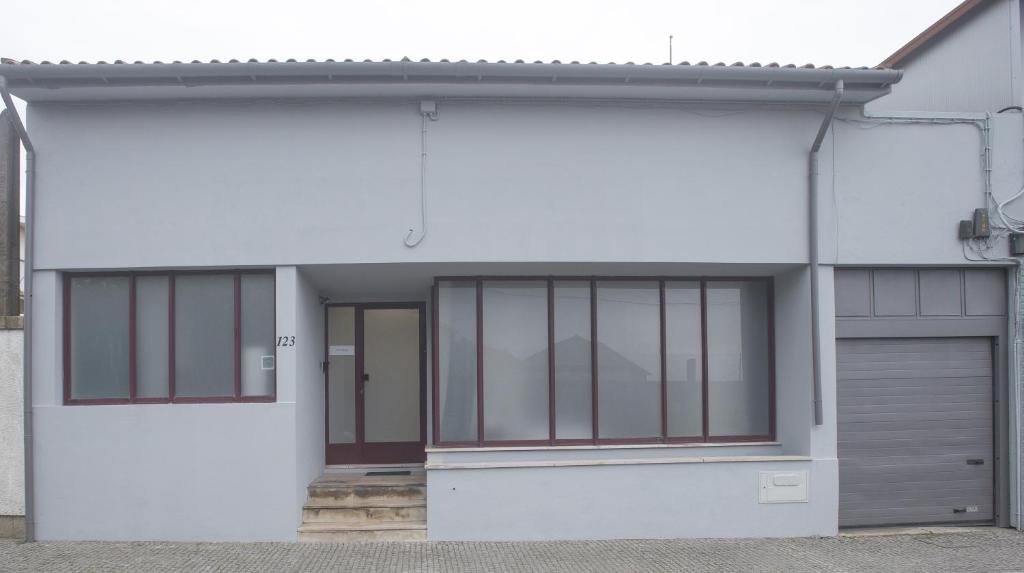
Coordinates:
835	32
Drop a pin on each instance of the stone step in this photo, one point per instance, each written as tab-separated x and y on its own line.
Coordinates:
332	533
311	513
365	494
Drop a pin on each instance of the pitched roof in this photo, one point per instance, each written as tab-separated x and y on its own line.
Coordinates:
444	78
947	22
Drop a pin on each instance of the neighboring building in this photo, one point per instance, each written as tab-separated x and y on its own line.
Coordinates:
12	233
579	296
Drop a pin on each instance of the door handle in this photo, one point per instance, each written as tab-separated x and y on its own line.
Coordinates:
366	378
976	462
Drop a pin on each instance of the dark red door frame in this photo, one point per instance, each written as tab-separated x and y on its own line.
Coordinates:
361	452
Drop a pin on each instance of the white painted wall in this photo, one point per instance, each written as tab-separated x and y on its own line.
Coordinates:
309	387
654	501
332	183
179	472
12	460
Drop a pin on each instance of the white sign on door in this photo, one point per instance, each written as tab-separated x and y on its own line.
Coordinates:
342	350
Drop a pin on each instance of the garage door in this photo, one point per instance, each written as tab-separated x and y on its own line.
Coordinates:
915	431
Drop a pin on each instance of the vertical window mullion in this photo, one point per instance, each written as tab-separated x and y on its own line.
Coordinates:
170	338
238	336
704	356
593	359
132	347
479	362
67	338
552	420
664	363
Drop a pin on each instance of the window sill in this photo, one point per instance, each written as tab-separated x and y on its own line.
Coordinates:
454	449
612	462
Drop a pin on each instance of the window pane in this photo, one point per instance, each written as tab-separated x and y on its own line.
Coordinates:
341	374
258	335
152	333
456	317
683	359
515	338
738	365
573	407
204	335
99	337
628	359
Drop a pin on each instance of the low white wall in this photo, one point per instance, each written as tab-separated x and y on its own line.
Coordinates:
12	459
651	501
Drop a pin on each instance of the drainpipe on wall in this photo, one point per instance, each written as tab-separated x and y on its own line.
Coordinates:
812	249
30	162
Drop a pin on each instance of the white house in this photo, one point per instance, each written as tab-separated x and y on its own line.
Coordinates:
571	300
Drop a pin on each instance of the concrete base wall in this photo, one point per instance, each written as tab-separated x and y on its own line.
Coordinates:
653	501
12	459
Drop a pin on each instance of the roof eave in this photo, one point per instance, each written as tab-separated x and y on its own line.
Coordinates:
39	82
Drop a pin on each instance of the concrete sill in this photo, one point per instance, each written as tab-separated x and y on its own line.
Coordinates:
611	462
598	447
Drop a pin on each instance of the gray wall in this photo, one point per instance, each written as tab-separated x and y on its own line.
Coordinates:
967	69
309	388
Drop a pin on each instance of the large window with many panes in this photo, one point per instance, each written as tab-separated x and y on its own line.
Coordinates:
568	361
169	337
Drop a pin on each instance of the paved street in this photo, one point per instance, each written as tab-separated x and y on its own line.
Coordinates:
976	550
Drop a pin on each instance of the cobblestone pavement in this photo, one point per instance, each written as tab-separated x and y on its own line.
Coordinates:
984	550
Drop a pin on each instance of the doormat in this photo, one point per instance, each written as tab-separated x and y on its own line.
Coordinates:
390	473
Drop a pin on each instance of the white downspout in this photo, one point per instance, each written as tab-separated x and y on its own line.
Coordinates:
812	248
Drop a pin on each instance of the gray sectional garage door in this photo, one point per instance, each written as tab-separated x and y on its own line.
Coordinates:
915	431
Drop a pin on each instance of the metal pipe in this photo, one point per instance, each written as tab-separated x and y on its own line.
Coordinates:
812	248
26	380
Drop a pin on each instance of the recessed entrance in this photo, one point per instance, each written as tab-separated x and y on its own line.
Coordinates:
375	383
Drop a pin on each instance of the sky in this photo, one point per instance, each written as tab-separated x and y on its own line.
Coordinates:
832	32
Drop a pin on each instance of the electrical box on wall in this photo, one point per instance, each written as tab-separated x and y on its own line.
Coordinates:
1017	245
783	487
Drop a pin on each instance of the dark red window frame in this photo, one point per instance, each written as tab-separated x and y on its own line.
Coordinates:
171	398
705	437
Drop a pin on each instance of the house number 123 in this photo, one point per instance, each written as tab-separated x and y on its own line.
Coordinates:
286	341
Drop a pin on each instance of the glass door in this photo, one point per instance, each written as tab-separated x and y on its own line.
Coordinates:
375	383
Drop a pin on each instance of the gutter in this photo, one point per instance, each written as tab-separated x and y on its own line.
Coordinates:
26	380
23	75
812	248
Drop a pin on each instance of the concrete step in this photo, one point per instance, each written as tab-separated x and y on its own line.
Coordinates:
332	533
367	492
313	513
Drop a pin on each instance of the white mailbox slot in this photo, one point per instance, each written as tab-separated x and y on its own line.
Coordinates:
783	487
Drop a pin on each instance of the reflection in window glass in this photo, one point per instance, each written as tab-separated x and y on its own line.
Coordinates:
573	408
515	355
152	335
628	359
738	358
456	327
683	359
257	335
204	336
99	337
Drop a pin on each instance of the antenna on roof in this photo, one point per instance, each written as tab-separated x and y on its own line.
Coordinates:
670	48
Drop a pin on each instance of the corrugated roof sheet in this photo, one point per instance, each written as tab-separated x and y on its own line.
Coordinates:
11	61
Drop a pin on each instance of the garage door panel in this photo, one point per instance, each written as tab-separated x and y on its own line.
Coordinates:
908	428
912	412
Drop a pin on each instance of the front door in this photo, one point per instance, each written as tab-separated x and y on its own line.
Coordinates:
375	383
